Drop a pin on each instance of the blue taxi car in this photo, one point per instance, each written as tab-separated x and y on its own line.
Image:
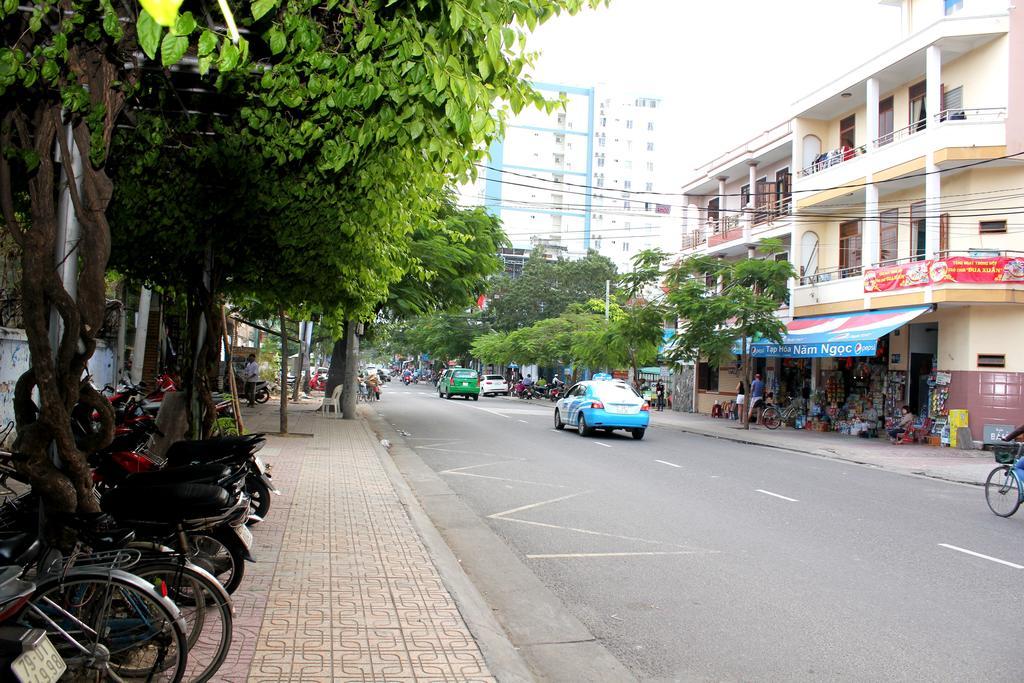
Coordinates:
603	404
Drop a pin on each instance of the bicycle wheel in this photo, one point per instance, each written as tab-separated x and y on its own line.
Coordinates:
205	608
771	418
109	624
1002	491
219	552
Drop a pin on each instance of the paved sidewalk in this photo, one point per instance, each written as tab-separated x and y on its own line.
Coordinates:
343	588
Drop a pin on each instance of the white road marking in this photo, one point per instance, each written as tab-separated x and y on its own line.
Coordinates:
589	532
769	493
523	421
984	557
493	412
670	464
515	481
497	515
452	450
553	556
602	444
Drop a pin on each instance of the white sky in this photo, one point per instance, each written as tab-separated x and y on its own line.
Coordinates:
728	69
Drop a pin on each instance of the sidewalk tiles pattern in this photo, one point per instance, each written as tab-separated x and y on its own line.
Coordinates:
343	588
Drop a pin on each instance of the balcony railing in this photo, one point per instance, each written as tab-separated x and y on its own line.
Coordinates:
725	229
832	158
693	239
981	115
831	275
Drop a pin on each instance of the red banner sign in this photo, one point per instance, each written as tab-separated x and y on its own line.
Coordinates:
956	269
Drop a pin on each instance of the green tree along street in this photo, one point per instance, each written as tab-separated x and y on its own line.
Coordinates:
547	288
745	308
332	129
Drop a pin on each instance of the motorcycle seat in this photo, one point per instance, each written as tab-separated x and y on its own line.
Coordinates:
14	546
166	503
193	474
181	452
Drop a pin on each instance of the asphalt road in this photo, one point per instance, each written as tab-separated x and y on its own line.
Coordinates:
699	559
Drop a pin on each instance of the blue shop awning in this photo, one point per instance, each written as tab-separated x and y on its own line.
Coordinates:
846	334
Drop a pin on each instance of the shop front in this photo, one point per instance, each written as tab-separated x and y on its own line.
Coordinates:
842	372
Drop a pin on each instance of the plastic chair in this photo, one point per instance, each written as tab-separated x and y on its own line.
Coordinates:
333	402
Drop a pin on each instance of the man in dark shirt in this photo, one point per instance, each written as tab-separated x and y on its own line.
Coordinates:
756	394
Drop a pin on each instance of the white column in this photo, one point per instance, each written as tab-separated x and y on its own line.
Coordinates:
870	235
752	180
721	201
141	328
752	200
933	83
932	181
65	256
872	105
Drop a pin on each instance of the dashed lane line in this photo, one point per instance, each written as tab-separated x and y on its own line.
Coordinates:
559	556
670	464
778	495
602	444
984	557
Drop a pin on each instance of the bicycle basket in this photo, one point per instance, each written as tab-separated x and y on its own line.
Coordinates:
1005	455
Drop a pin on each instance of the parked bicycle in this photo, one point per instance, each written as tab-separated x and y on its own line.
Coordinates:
1004	491
774	417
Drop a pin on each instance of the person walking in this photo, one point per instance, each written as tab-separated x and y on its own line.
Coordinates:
250	375
756	394
740	398
373	385
659	392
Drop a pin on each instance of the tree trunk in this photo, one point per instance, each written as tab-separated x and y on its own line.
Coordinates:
299	361
284	373
749	394
351	390
336	373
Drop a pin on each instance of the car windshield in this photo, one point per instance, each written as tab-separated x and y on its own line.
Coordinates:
615	391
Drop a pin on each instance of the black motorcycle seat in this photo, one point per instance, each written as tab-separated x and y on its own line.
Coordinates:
182	452
166	503
11	547
194	474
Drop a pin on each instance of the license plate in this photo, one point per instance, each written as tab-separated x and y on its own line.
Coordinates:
464	384
260	465
618	410
243	533
39	665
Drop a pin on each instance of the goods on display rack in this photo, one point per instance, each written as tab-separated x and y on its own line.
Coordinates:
895	391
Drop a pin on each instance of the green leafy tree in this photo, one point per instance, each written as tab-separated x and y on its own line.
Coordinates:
67	72
547	288
715	322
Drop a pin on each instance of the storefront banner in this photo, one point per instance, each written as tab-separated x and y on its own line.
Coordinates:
956	269
821	350
840	335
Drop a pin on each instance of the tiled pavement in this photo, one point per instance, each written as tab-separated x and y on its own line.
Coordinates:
343	588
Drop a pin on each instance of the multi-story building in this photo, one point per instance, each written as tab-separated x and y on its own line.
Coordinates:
580	178
902	223
537	177
629	158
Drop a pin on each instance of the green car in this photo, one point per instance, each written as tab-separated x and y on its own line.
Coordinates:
459	382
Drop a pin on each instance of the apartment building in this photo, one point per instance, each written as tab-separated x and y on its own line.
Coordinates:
629	158
536	178
580	178
902	214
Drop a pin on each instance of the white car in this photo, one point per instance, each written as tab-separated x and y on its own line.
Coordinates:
491	385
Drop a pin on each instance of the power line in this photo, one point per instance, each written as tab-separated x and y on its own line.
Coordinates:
809	191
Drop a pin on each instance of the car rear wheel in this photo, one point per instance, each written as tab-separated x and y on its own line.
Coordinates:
476	397
639	433
582	428
559	425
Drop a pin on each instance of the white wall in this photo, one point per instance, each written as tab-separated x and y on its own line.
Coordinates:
14	360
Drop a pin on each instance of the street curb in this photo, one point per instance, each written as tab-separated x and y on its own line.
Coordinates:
503	659
826	454
525	632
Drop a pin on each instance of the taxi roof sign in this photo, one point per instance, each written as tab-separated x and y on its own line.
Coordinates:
602	376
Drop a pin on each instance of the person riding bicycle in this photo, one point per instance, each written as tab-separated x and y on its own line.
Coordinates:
1012	436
